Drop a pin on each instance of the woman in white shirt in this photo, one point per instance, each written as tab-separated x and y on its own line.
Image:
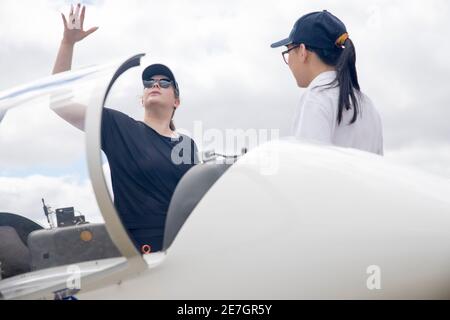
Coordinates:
333	110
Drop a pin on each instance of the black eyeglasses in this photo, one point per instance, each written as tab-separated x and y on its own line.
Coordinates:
285	54
163	83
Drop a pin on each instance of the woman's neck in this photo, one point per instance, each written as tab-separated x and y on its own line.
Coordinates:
162	126
319	69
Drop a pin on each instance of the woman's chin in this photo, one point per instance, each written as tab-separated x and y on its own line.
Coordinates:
154	101
155	104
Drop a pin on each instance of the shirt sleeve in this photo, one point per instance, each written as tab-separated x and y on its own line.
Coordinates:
315	121
113	124
106	129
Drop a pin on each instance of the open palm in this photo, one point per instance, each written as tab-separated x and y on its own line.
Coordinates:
74	26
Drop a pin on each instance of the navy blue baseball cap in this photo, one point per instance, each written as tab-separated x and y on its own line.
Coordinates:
160	70
317	29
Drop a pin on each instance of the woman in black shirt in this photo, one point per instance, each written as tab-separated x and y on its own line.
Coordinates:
147	158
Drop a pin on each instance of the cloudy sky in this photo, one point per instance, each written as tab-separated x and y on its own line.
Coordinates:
229	76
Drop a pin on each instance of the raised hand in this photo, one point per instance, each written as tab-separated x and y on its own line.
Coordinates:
74	26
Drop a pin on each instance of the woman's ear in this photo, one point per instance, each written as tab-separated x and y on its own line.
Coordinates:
303	53
177	103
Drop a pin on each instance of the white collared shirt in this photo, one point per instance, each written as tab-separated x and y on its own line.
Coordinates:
316	118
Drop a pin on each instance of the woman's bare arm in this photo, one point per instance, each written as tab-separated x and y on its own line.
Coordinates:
73	33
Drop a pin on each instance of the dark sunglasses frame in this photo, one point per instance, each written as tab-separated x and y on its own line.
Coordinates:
285	54
163	83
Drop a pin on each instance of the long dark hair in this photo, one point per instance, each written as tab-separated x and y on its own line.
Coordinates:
176	91
172	125
343	58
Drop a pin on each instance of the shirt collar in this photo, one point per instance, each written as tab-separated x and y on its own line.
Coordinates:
323	79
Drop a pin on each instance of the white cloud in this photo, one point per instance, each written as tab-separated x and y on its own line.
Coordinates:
34	136
23	196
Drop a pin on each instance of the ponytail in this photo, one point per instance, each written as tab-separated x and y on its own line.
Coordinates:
172	125
343	58
177	95
347	79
